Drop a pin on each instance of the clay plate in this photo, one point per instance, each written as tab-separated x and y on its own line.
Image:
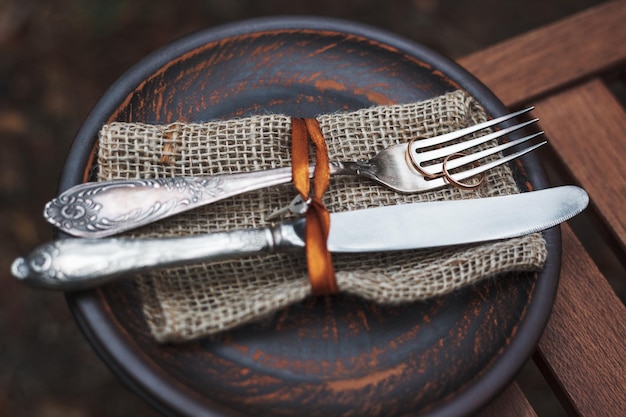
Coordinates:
327	357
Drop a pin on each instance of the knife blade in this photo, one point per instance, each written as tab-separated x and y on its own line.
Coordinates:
73	264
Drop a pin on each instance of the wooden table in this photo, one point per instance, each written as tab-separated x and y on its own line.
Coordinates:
564	70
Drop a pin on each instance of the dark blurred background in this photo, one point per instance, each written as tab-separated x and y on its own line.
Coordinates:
56	59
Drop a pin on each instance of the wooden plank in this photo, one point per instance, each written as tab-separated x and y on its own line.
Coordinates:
511	403
525	67
583	351
586	126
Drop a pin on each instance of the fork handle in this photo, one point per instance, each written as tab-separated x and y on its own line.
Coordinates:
100	209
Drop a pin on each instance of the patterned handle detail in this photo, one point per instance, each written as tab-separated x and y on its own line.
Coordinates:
100	209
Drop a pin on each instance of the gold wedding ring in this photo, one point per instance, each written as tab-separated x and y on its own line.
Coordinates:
459	184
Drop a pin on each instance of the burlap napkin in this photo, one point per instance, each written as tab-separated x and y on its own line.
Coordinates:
188	302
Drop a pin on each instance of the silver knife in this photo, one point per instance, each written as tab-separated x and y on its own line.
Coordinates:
72	264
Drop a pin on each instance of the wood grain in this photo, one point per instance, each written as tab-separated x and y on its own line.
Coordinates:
586	126
583	350
511	403
546	59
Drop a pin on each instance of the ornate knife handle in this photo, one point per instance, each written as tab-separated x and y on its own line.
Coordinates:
100	209
72	264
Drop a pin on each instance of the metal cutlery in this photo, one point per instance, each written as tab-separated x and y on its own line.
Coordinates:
72	264
100	209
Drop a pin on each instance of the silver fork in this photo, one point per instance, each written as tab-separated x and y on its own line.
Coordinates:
99	209
429	168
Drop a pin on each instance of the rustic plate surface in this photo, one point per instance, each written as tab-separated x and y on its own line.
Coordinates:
337	356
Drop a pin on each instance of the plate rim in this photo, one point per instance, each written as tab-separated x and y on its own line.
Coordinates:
140	374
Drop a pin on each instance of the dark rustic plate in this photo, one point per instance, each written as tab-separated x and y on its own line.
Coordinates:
337	356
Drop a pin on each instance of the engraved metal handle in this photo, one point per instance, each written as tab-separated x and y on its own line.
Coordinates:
100	209
73	264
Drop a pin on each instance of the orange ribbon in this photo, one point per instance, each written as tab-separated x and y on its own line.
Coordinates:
319	261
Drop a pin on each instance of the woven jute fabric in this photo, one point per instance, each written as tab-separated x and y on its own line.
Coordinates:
197	300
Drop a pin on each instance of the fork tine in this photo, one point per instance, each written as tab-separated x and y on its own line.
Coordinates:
424	143
460	147
460	176
436	169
